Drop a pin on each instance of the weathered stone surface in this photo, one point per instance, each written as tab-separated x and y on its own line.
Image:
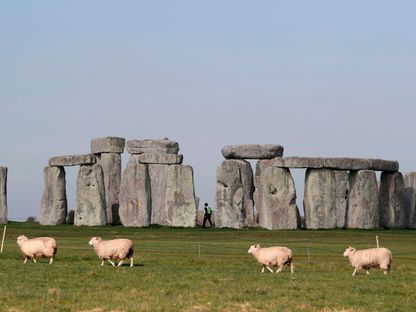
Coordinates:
252	151
139	146
180	198
234	195
341	193
298	162
393	212
54	202
410	193
158	177
336	163
108	145
111	164
320	199
363	200
91	206
275	197
3	195
72	160
166	159
153	150
135	194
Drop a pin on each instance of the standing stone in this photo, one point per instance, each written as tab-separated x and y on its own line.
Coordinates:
392	204
158	178
54	202
275	197
234	195
180	200
363	200
91	207
111	164
135	194
341	181
410	193
320	199
3	195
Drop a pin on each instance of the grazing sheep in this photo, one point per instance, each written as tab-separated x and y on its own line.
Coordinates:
273	256
369	258
115	249
37	247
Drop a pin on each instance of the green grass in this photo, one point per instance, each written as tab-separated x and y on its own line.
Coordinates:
206	270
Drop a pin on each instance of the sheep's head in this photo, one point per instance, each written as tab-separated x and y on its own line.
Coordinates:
348	251
253	248
21	239
94	240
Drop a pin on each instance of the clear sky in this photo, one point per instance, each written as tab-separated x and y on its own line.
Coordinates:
321	78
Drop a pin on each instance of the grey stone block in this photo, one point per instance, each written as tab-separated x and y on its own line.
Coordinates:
342	190
166	159
153	150
136	146
363	200
298	162
108	145
410	197
320	199
3	195
135	194
91	206
72	160
54	202
275	197
252	151
393	212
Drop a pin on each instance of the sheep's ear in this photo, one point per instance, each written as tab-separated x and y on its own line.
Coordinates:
258	246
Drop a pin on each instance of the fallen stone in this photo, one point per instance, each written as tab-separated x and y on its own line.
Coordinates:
166	159
275	198
135	194
72	160
135	146
341	193
3	195
393	212
410	193
111	165
320	199
234	195
363	200
91	206
108	145
54	202
180	200
252	151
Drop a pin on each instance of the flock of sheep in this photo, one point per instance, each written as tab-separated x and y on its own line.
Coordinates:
122	249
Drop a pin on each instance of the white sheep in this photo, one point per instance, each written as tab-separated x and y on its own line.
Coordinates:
273	256
115	249
44	247
369	258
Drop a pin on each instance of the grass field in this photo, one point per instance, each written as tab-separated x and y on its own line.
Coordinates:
206	270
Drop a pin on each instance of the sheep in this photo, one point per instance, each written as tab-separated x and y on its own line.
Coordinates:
369	258
37	247
273	256
115	249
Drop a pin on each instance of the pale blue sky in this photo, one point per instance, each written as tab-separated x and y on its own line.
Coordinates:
321	78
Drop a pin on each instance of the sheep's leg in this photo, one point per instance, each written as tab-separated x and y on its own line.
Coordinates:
24	262
131	262
292	267
355	271
368	272
50	260
34	260
102	263
269	269
120	263
279	269
262	270
112	263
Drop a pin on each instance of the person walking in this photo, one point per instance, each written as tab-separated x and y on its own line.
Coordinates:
207	215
